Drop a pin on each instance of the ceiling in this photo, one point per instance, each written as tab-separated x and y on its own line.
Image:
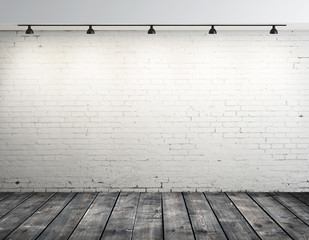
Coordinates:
293	13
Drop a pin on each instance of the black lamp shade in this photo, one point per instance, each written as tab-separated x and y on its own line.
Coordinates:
90	30
274	30
212	30
29	30
151	30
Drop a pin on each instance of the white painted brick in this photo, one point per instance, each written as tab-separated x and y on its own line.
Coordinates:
174	112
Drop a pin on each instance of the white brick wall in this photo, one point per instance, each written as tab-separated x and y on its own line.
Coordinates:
180	110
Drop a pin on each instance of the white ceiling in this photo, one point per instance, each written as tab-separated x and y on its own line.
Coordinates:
291	12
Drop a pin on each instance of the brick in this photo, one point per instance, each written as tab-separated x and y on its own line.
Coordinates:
173	114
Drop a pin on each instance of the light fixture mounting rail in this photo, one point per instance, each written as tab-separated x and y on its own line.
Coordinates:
155	25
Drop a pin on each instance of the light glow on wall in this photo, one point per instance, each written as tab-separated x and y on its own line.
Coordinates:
171	111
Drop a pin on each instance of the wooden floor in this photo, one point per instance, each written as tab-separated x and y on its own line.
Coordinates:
146	216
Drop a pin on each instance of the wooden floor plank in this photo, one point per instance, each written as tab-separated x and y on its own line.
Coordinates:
304	197
17	216
121	223
176	221
233	223
264	226
12	201
154	216
204	222
297	207
64	224
95	219
4	195
148	224
287	220
34	225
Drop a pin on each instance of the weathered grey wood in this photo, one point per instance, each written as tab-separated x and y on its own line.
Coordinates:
13	201
287	220
233	223
148	224
95	219
175	218
137	216
304	197
297	207
64	224
121	222
18	215
204	223
34	225
4	195
264	226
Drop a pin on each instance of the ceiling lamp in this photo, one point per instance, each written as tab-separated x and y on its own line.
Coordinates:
212	30
29	30
273	30
151	30
90	30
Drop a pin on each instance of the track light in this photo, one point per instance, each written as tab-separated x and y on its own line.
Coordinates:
90	30
212	30
151	30
29	30
273	30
